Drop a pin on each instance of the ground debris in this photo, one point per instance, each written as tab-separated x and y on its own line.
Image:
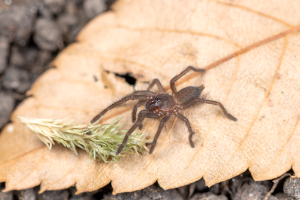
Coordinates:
292	188
150	193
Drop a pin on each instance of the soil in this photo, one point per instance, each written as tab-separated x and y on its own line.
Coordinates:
32	33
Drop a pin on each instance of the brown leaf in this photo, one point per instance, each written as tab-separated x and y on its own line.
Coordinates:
251	49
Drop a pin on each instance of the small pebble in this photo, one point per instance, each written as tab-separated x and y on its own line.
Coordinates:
16	57
291	187
93	8
6	195
7	103
48	35
16	23
16	79
150	193
55	6
4	47
28	194
54	195
252	191
281	196
84	196
208	196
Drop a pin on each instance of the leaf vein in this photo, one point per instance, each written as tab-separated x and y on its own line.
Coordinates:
281	150
254	11
256	116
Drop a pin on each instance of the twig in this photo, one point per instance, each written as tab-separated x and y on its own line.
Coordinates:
275	181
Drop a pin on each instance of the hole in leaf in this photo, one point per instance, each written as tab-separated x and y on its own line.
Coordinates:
129	79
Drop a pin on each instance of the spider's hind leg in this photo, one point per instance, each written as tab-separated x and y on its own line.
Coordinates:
187	123
201	100
228	115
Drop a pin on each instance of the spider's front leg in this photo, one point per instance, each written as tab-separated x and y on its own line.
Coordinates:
142	115
158	83
187	123
121	101
134	110
161	125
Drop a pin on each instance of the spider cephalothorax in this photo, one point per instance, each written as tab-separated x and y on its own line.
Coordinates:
162	105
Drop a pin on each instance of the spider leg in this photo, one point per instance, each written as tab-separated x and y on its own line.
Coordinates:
229	116
142	115
121	101
158	83
134	111
173	80
188	104
142	92
187	123
201	100
161	125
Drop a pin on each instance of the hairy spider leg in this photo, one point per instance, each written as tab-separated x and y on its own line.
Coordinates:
229	116
158	83
142	115
142	92
121	101
161	125
140	103
201	100
187	123
173	80
134	111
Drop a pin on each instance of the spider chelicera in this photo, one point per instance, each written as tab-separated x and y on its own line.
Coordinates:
162	105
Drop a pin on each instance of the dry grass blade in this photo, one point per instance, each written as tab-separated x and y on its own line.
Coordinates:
100	141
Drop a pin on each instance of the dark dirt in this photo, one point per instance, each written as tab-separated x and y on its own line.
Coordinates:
32	32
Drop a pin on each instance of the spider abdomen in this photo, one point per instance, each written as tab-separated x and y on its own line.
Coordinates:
188	93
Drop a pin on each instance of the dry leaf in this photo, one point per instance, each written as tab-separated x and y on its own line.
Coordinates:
257	80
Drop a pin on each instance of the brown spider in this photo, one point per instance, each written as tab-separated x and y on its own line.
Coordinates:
162	105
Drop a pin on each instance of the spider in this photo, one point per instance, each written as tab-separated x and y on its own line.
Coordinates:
163	105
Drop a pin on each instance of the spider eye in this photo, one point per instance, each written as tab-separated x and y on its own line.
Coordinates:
156	99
